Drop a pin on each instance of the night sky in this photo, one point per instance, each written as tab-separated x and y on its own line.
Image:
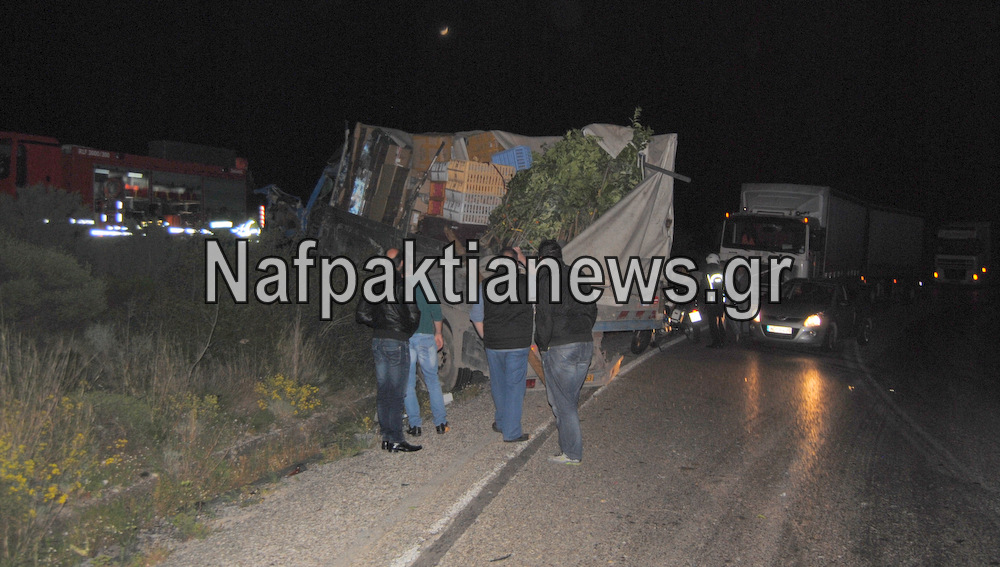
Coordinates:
896	103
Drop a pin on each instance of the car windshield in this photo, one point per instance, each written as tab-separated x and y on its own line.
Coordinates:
765	233
808	292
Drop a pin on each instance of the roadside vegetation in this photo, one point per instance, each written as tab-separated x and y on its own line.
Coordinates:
127	402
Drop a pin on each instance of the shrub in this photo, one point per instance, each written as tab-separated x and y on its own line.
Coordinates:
40	215
46	288
282	395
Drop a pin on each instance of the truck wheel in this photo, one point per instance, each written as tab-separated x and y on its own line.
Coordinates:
640	341
865	331
448	363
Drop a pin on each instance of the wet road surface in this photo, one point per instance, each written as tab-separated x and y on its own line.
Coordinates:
768	457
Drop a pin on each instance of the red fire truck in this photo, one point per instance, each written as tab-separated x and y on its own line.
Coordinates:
183	185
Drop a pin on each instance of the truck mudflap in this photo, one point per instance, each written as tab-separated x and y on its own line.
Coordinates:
610	318
603	369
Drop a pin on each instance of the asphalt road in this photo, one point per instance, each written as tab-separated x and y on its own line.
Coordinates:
882	455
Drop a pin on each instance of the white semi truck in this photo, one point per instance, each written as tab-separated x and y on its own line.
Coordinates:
827	235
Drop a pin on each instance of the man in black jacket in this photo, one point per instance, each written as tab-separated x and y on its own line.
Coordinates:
505	328
564	335
392	325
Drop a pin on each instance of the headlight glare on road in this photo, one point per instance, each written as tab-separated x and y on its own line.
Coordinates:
813	320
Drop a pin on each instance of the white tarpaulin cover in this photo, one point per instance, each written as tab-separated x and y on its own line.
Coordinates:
642	223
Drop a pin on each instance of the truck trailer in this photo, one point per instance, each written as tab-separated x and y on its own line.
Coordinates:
379	192
827	234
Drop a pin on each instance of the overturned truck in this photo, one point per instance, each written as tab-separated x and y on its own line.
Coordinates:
385	186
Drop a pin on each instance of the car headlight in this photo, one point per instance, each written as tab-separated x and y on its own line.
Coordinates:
813	321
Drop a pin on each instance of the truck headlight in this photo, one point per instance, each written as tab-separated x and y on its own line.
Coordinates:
813	321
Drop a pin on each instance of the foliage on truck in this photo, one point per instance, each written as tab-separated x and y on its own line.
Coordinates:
569	186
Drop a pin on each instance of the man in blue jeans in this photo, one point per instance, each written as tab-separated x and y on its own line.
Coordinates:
392	325
506	332
564	335
424	346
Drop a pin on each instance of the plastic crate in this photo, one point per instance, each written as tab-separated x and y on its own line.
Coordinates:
439	171
475	177
438	190
470	208
518	157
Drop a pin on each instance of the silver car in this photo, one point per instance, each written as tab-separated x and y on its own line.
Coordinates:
813	313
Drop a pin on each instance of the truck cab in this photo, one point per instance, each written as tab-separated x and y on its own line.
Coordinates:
962	253
779	220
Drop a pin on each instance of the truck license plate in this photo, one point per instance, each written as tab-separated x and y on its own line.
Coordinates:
779	330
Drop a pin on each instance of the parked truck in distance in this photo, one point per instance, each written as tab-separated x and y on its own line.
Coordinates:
962	253
828	235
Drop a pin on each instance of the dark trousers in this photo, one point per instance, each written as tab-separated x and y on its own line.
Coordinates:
717	324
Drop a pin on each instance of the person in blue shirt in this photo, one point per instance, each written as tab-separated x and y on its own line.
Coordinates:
424	346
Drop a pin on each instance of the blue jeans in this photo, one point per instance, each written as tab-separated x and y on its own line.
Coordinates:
565	372
423	351
392	359
508	372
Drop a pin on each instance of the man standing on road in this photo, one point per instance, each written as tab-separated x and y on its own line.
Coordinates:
506	332
564	335
392	323
714	308
424	346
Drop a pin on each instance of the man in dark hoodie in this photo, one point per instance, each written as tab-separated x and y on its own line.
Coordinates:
506	332
564	336
392	323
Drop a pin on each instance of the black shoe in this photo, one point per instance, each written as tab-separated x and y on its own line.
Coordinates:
401	447
443	428
495	428
523	437
414	431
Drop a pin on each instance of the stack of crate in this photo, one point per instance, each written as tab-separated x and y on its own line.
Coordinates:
474	189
